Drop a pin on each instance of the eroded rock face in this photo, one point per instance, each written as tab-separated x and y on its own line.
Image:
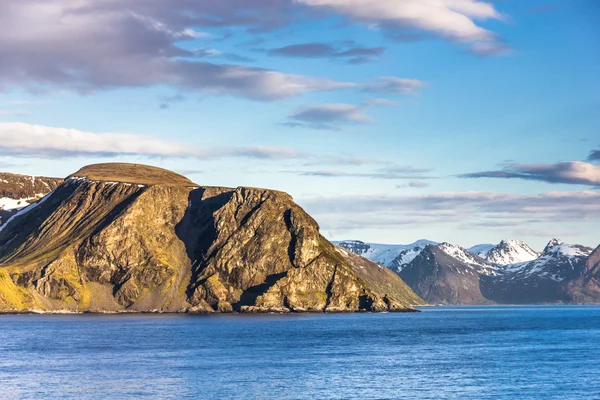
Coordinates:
168	245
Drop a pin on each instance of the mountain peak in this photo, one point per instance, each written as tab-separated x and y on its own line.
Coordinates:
552	243
510	252
131	173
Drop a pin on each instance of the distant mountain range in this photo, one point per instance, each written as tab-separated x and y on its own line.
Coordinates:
510	272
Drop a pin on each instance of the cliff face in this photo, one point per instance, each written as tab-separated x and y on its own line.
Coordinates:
135	238
586	288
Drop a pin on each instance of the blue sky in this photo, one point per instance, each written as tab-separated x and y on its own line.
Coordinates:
392	120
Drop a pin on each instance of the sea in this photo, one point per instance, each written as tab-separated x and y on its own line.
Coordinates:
541	352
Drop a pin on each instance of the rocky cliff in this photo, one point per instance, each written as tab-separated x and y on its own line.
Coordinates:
124	237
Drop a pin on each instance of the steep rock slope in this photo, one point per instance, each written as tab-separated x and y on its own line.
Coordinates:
19	191
123	237
585	289
447	274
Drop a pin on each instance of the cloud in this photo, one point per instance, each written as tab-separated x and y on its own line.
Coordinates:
574	172
323	115
12	112
349	212
167	101
334	116
418	184
490	49
394	85
594	155
87	46
391	172
26	140
452	20
350	52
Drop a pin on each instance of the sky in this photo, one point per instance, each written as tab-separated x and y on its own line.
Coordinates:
388	120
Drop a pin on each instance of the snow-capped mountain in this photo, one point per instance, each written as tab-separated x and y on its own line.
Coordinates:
558	261
481	249
558	275
463	256
447	274
19	191
405	257
384	254
510	252
510	272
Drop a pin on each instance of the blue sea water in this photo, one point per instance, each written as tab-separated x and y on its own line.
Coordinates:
443	352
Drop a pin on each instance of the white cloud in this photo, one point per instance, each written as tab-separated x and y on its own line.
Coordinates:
21	139
395	85
450	19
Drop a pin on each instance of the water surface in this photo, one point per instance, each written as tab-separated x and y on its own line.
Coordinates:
462	353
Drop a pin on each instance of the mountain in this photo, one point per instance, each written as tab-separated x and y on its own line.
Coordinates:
585	289
551	278
406	257
128	237
562	273
19	191
480	249
447	274
384	254
510	252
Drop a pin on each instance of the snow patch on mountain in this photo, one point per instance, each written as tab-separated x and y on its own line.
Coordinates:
405	257
558	262
480	249
510	252
384	254
9	204
470	260
25	210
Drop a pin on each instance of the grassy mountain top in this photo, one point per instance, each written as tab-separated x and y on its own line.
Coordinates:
132	173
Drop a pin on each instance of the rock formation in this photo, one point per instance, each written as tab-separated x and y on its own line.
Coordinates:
126	237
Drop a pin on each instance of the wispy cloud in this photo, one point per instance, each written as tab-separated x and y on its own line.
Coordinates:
490	49
554	209
574	172
394	85
167	101
594	155
21	139
326	116
349	52
12	112
391	172
449	19
335	116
